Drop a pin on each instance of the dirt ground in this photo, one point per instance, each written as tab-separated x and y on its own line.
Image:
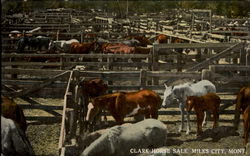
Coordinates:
44	137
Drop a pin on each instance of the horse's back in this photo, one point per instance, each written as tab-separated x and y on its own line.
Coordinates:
203	87
144	97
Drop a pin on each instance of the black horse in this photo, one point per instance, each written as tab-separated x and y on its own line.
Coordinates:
34	43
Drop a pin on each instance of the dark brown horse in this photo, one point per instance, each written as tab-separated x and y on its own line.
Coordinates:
9	109
246	118
90	89
242	102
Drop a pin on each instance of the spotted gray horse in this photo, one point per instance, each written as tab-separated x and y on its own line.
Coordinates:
178	95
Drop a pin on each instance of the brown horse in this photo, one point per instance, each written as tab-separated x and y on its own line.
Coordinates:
162	38
209	102
90	89
122	105
242	102
82	48
9	109
246	118
118	48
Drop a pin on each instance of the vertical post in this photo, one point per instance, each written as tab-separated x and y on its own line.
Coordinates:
155	63
57	35
143	78
81	36
210	20
206	75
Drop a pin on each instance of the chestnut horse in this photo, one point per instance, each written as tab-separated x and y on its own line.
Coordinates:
82	48
162	38
122	105
209	102
246	118
9	109
242	102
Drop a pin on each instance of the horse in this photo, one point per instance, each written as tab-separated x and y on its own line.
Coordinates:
122	139
118	48
161	38
242	102
209	102
178	94
93	87
144	41
246	118
90	89
36	43
9	109
126	104
61	45
131	43
14	140
82	48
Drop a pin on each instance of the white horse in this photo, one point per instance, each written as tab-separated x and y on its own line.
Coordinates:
61	45
178	94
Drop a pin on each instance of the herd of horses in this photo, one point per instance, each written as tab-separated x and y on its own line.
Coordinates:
198	95
131	44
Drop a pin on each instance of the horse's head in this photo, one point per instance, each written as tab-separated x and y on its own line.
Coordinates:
169	96
190	103
93	110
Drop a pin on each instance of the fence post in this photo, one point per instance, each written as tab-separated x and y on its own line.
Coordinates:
57	35
155	58
143	78
206	75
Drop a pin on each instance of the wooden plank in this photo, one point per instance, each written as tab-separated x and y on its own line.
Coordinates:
220	68
166	74
51	64
37	86
44	119
62	131
34	72
64	55
43	107
191	45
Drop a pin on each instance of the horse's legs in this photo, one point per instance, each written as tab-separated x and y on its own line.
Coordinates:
216	118
200	116
188	123
182	117
154	113
204	119
246	131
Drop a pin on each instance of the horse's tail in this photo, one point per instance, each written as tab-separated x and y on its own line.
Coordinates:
237	108
159	101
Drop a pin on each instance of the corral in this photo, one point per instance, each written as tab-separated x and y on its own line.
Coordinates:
44	83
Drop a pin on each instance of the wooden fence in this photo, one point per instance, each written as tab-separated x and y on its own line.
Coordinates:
69	133
227	78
